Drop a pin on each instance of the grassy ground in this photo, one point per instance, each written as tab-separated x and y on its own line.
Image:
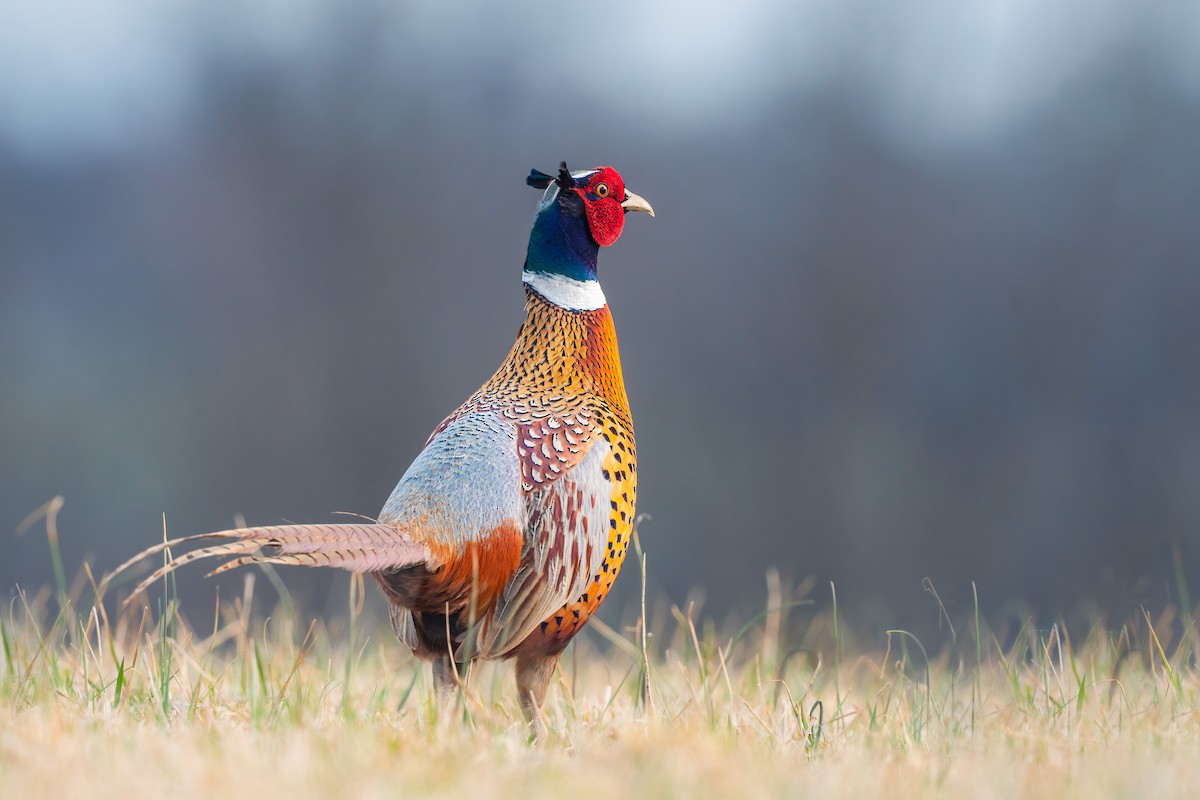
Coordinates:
788	705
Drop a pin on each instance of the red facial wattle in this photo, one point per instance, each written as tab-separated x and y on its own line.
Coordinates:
602	203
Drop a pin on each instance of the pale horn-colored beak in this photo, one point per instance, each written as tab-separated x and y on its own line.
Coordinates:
636	203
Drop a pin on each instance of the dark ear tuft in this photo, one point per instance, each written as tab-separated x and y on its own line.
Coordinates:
565	181
538	179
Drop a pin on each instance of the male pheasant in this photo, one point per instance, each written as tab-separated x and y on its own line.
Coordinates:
507	531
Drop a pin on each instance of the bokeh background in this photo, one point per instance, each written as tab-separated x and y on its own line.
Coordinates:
920	300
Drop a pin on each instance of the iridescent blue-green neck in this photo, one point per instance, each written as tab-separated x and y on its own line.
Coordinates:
560	244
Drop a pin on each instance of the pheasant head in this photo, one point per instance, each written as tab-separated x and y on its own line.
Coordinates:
579	213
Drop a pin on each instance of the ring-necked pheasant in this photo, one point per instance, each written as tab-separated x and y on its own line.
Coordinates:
506	533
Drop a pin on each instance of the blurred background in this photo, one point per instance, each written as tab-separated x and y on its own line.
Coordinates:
920	299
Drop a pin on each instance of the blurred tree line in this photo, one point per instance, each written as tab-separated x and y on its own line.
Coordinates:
853	351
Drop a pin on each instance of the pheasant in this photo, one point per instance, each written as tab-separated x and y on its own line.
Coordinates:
506	533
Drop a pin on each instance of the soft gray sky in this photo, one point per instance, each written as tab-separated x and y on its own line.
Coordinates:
77	75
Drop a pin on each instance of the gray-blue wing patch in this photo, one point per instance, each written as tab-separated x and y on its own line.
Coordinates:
463	485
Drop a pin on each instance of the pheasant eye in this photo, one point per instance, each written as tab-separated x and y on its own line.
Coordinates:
601	190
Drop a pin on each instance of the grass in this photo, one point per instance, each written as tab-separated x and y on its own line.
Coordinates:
789	703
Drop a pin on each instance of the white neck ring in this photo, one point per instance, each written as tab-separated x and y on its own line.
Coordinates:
567	292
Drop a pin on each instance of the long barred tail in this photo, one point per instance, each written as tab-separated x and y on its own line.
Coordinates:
367	547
